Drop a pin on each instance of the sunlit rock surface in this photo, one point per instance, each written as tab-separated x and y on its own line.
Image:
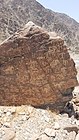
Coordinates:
36	69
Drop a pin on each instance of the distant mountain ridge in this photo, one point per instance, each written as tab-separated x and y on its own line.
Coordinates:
15	14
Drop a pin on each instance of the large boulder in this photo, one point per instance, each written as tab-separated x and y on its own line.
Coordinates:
36	69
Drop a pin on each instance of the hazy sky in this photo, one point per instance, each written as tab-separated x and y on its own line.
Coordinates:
69	7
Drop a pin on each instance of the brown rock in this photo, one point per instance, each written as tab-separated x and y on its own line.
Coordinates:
35	69
9	134
71	128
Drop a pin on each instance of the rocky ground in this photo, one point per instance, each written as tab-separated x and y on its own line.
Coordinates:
29	123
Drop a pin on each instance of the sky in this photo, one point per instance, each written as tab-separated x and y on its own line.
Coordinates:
69	7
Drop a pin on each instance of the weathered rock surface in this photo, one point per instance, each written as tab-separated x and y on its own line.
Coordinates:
36	69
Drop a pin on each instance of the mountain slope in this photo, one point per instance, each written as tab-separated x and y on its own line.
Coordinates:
15	14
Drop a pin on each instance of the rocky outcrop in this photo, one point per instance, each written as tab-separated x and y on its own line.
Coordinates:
36	69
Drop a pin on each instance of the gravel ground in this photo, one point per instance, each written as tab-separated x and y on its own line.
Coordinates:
28	123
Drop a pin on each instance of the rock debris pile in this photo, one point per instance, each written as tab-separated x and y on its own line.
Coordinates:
28	123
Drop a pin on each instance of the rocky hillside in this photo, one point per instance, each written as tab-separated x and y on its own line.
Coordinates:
15	14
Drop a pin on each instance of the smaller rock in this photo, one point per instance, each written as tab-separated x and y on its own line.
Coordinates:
44	137
0	114
34	137
22	113
2	133
50	132
72	128
15	138
77	122
76	91
7	124
30	109
8	113
77	137
47	119
65	133
65	115
72	135
5	110
5	119
9	134
56	126
24	118
13	110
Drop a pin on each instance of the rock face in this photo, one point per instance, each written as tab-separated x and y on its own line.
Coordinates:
36	69
15	14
